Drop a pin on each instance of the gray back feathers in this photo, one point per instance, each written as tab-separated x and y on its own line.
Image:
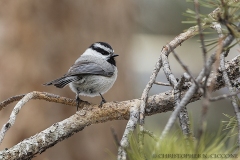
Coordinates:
85	65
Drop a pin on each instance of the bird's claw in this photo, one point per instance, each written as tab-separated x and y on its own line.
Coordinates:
102	102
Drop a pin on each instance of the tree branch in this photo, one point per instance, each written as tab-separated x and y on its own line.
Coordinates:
41	96
91	114
186	98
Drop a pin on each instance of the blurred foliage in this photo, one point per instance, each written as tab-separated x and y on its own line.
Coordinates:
228	17
230	124
219	145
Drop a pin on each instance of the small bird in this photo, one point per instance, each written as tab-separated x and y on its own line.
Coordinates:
92	74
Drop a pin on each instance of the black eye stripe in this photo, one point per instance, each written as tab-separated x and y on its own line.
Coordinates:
100	50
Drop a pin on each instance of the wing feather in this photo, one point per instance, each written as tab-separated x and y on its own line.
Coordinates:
85	67
81	68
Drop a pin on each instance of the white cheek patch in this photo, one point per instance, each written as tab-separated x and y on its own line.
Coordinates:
94	53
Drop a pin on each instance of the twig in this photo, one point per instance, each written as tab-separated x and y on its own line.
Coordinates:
11	100
224	96
208	90
181	82
151	134
161	83
204	51
168	73
115	137
40	95
131	125
203	124
24	100
206	93
184	67
231	89
191	91
216	26
14	113
183	115
144	99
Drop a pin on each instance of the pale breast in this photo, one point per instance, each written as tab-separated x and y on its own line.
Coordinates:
92	85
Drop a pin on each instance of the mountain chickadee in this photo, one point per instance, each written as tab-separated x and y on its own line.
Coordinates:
92	74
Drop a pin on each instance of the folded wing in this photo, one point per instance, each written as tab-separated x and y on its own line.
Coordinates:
79	69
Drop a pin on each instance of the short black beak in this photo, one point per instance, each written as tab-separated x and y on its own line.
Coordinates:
114	55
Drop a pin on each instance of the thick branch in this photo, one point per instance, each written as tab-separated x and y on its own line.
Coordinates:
91	114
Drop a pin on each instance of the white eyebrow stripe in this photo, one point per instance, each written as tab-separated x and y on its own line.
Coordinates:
103	47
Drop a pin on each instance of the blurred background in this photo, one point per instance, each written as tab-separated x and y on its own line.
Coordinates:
41	39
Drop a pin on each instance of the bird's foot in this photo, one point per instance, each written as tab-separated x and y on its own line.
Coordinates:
77	101
102	102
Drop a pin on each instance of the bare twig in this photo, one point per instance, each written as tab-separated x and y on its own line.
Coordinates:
216	26
161	83
204	51
231	89
11	100
131	125
203	124
208	90
144	99
180	83
168	73
183	115
151	134
224	96
191	91
115	137
24	100
40	95
184	67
